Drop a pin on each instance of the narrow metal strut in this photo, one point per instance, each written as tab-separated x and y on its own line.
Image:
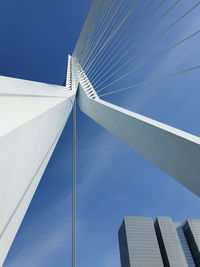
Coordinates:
74	190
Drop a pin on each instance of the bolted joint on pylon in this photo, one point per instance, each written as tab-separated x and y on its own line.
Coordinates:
84	81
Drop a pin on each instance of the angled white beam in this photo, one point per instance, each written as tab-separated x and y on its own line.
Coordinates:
174	151
32	117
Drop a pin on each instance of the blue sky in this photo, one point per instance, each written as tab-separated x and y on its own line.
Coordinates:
113	180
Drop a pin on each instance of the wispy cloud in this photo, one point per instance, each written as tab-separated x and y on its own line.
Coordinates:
42	243
111	259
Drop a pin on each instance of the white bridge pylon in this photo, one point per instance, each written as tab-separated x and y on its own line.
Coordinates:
33	116
174	151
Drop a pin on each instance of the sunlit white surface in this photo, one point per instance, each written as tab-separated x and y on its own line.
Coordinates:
32	116
173	151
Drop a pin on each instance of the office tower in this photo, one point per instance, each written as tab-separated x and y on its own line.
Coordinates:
184	244
191	229
138	243
169	242
164	243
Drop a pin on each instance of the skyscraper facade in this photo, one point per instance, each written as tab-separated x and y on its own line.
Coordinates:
184	245
138	243
191	229
163	243
170	244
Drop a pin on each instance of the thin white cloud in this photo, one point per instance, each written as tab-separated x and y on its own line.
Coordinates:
40	246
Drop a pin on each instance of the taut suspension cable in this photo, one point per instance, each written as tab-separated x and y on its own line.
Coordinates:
150	60
74	190
152	80
122	37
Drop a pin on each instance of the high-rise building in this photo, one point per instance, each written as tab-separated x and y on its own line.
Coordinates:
163	243
184	245
191	229
138	243
170	245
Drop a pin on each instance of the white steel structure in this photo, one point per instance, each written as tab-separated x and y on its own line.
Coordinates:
32	117
34	114
174	151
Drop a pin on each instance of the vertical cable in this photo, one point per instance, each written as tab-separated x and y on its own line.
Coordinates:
74	190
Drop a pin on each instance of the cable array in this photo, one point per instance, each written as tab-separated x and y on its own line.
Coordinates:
123	37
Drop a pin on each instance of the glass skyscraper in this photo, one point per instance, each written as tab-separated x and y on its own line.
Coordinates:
170	244
138	243
184	245
163	243
191	229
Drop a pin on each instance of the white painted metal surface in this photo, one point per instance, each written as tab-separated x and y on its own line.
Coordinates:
172	150
32	117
